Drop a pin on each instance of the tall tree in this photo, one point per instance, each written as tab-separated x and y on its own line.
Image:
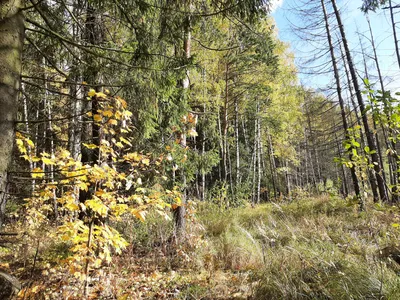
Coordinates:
11	42
340	98
369	134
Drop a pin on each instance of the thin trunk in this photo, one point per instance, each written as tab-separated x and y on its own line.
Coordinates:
312	147
272	164
370	137
258	153
180	211
339	150
237	144
203	173
371	174
288	182
254	160
225	126
379	148
390	143
49	141
221	145
341	103
396	42
28	130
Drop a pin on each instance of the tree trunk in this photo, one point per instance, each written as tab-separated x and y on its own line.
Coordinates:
390	143
237	145
258	153
373	115
273	166
341	102
11	43
371	174
370	137
396	43
180	211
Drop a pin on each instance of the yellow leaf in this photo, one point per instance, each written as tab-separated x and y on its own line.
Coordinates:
21	146
112	122
35	158
90	146
118	115
146	161
119	145
101	95
133	156
97	206
108	113
37	173
30	143
127	113
71	206
45	154
125	141
47	161
91	93
83	186
97	118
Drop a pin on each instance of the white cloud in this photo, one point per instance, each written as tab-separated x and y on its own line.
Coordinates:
275	4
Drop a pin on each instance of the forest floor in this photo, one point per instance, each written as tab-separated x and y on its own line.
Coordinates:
311	248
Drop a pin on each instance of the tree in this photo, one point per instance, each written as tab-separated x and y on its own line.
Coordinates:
371	139
341	101
11	41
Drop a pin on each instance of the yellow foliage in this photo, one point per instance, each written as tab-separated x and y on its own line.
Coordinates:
97	206
47	161
90	146
92	93
101	95
108	113
112	122
97	118
37	173
108	197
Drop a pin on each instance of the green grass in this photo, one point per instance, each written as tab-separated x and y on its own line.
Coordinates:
308	249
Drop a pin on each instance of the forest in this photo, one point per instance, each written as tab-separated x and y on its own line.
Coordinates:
164	149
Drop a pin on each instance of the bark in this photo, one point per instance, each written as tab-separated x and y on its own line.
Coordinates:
258	154
11	42
273	166
390	143
345	190
370	137
341	101
371	174
180	211
237	144
396	42
373	115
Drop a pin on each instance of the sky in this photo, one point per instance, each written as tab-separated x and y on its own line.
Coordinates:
354	21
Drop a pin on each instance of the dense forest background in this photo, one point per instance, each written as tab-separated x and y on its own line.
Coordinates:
137	133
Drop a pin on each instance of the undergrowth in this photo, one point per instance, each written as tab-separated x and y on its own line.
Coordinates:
311	248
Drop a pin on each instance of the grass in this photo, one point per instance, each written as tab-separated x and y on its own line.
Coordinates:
311	248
